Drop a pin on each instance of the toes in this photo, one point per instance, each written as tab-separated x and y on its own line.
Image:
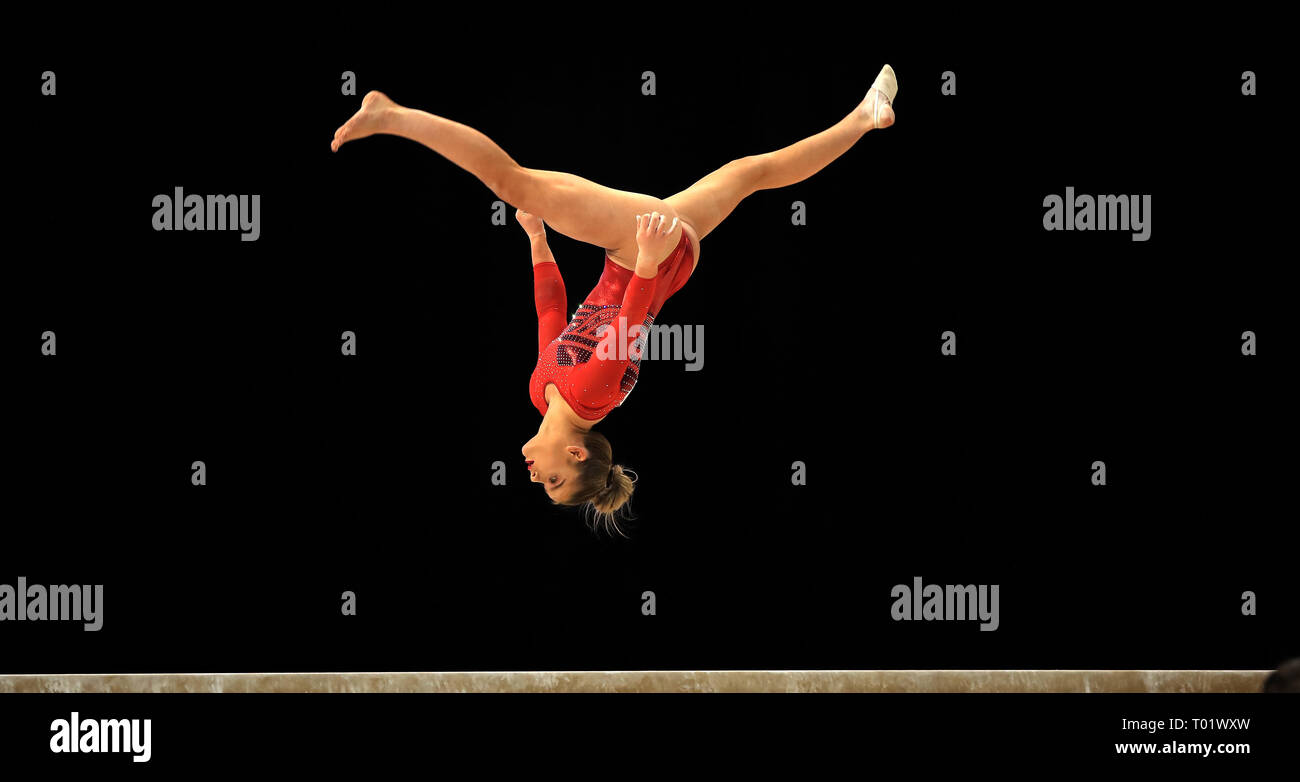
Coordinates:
341	136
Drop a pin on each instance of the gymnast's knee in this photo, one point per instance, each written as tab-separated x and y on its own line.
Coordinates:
516	186
753	168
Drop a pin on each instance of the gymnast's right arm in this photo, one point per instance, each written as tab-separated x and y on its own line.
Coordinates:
548	293
548	285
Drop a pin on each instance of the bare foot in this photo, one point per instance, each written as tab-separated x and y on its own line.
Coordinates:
376	108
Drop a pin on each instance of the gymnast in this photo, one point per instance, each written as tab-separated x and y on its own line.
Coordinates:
586	368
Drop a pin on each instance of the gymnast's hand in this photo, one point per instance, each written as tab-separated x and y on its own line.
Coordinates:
653	241
532	224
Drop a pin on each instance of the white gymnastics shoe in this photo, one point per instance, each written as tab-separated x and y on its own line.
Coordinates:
887	85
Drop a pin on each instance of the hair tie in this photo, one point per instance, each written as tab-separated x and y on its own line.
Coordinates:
610	480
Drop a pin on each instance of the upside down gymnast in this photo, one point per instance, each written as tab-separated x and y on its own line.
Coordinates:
586	368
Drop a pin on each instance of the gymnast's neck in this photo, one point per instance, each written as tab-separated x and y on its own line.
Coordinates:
559	417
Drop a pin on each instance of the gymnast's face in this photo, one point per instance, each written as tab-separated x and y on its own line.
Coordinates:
553	462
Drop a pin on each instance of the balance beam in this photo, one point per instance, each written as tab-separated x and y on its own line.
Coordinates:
802	681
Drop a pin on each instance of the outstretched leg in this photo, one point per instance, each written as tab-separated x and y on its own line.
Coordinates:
576	207
707	202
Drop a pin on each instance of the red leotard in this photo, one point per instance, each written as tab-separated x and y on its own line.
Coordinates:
595	378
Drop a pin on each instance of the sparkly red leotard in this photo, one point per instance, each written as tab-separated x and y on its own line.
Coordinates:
595	378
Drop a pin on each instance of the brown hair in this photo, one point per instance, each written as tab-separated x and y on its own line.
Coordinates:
603	486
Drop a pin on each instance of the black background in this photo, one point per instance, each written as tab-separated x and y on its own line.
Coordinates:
372	473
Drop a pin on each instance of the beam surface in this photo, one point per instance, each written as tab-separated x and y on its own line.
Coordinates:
985	681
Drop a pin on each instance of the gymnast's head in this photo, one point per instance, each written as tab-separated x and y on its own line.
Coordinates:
577	468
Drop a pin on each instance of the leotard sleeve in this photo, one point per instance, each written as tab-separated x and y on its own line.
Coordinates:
551	302
595	382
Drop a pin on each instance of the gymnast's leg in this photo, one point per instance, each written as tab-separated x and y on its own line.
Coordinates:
707	202
576	207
